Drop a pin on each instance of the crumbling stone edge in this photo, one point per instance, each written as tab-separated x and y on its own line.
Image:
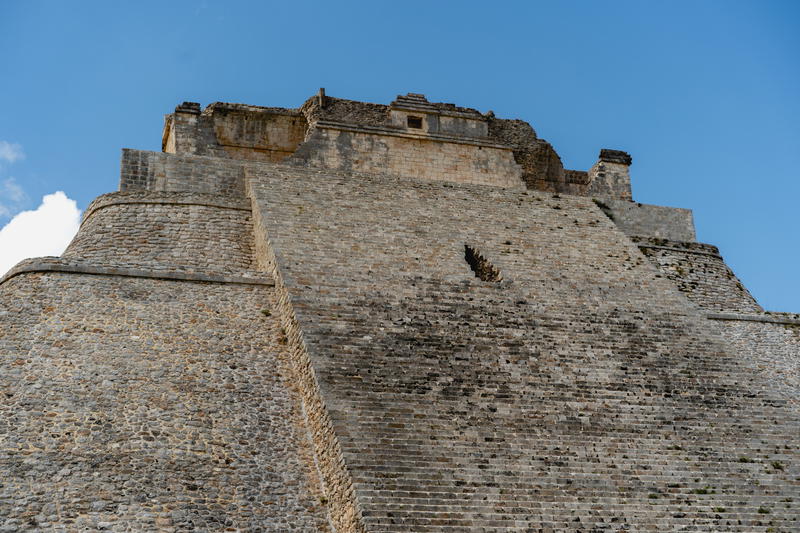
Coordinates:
357	128
343	510
49	265
680	250
163	198
773	319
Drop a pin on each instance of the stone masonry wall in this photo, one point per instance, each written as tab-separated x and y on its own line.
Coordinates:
700	273
273	134
153	171
145	405
258	134
645	220
541	166
610	179
234	131
180	231
581	393
187	131
769	347
337	483
410	157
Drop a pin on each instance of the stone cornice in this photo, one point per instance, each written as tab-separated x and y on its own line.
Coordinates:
374	130
768	318
56	264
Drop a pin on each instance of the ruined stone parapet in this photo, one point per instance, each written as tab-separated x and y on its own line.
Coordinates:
411	137
610	176
235	131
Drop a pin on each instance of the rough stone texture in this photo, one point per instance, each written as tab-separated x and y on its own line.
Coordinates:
580	393
212	238
164	272
616	156
647	220
145	405
770	348
235	130
339	491
610	176
699	271
188	132
341	134
152	171
146	378
437	119
541	166
409	156
345	111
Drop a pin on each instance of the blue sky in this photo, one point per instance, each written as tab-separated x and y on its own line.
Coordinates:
705	95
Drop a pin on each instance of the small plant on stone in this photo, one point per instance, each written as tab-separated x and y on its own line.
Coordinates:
777	465
266	312
763	510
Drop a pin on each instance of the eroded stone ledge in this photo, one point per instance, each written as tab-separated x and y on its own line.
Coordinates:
386	130
55	264
165	198
681	250
773	318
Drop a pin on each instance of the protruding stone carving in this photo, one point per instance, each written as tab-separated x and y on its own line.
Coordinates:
615	156
188	107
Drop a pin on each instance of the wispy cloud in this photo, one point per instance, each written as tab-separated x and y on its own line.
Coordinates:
11	152
12	197
47	230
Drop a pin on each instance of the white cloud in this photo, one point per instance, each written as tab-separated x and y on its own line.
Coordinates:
45	231
11	151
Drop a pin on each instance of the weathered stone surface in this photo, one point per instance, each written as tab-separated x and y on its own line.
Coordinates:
153	171
610	176
582	391
699	271
409	155
769	343
236	131
144	405
645	220
144	228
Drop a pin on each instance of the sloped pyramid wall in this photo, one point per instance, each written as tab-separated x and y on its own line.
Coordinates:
145	383
582	392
